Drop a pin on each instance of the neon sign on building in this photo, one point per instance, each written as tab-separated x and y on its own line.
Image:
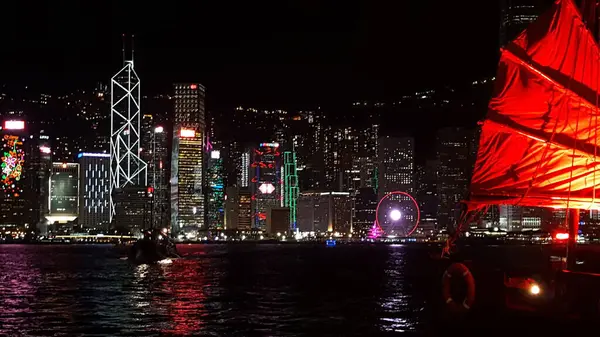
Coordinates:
14	125
11	163
187	133
269	145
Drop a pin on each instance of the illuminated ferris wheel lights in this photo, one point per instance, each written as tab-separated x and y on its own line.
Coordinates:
395	215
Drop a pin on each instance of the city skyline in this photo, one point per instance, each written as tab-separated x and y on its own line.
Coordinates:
299	167
337	150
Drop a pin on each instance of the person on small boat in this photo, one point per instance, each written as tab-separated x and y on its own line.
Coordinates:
167	245
154	247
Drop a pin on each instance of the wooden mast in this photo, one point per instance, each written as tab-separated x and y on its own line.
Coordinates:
573	224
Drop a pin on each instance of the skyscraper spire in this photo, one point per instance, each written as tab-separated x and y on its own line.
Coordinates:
123	47
132	48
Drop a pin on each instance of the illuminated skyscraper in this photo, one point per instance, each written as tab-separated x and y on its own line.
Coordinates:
455	163
215	193
38	166
244	169
266	182
396	173
291	190
189	106
94	203
13	203
63	200
155	154
188	209
127	169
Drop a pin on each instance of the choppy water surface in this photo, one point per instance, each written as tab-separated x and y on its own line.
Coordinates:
216	290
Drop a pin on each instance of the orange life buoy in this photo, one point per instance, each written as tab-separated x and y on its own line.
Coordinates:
458	270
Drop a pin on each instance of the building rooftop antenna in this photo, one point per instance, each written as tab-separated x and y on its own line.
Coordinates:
123	47
132	49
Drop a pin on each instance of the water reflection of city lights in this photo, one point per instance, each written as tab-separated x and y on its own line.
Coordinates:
141	271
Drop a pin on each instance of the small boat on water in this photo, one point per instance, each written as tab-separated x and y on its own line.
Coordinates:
330	243
155	247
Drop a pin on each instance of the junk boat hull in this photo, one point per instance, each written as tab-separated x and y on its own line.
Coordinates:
153	248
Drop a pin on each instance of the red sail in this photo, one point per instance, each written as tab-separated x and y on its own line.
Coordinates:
540	139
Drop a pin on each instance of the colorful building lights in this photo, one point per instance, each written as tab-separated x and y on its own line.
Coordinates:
11	162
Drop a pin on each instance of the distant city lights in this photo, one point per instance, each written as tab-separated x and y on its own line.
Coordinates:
215	154
159	129
45	149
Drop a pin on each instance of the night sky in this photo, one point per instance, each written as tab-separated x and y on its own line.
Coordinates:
279	52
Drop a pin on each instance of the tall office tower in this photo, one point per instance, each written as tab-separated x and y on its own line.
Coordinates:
335	208
291	190
266	183
187	159
427	196
310	217
367	167
127	169
454	172
158	176
39	165
133	209
63	199
516	15
341	146
244	169
365	203
189	106
311	151
238	209
155	154
215	191
94	194
396	173
13	202
146	133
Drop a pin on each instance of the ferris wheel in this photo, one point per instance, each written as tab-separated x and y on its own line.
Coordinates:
397	214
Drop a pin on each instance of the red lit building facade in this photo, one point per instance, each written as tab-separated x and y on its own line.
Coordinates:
265	182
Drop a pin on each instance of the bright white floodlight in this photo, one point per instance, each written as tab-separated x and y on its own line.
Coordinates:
395	215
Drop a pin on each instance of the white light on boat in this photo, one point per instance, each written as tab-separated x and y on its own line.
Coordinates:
535	289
